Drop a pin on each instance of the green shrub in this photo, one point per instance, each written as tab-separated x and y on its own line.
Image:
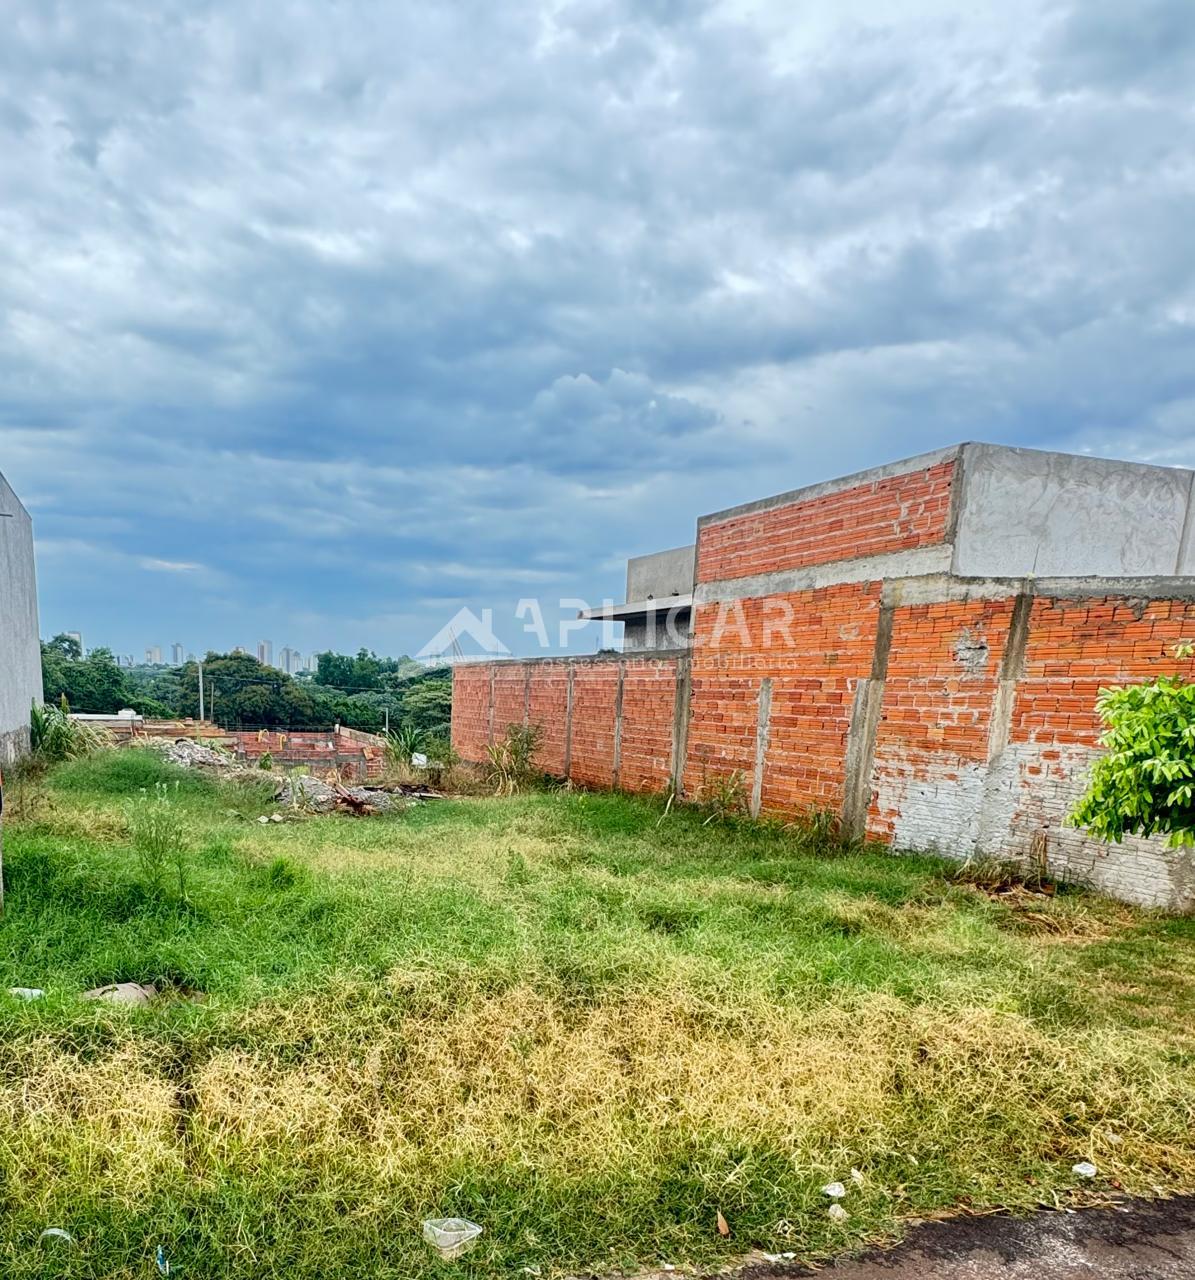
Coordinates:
402	743
1145	784
512	759
55	736
127	771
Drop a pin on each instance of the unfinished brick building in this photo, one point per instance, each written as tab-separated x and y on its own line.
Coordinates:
917	647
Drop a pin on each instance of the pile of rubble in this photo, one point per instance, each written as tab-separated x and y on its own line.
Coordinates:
302	792
191	755
316	796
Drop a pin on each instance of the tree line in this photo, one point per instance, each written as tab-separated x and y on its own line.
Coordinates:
362	691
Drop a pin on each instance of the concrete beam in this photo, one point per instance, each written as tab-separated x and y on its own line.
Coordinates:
895	564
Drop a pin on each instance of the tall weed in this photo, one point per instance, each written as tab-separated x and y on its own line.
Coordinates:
159	836
511	761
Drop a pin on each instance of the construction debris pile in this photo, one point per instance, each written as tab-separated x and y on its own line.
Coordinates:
190	755
296	791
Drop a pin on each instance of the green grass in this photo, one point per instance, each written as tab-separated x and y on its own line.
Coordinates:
584	1024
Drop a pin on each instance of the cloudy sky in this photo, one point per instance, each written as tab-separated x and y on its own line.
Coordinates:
319	320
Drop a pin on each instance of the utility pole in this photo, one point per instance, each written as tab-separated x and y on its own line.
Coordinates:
200	666
387	710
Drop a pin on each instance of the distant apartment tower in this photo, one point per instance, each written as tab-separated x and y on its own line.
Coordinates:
153	655
176	654
265	652
290	660
77	637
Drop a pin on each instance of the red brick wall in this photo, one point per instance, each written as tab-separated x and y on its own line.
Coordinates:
894	514
971	754
943	668
648	707
319	751
471	709
595	692
549	710
510	693
815	645
1078	646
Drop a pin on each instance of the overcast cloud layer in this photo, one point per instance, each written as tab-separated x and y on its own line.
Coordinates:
320	320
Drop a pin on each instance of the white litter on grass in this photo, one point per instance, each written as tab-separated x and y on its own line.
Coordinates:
264	820
779	1257
26	993
418	760
450	1237
835	1190
1085	1169
857	1177
838	1213
56	1233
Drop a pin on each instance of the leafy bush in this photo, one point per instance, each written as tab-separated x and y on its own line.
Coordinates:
512	760
1145	784
159	837
402	743
55	736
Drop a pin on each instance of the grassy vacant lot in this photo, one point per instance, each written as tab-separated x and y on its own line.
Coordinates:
588	1026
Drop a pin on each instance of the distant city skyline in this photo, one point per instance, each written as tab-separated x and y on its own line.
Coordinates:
290	661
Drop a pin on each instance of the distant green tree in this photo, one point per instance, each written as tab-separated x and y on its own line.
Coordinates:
64	645
334	669
426	702
92	684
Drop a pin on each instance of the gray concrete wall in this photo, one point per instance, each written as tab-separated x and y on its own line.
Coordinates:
668	629
1030	513
661	574
20	647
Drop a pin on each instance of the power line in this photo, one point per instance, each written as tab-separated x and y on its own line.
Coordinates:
276	682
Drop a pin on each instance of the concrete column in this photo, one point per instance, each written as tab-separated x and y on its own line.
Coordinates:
489	733
762	724
680	723
527	695
617	771
568	724
1012	666
861	736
